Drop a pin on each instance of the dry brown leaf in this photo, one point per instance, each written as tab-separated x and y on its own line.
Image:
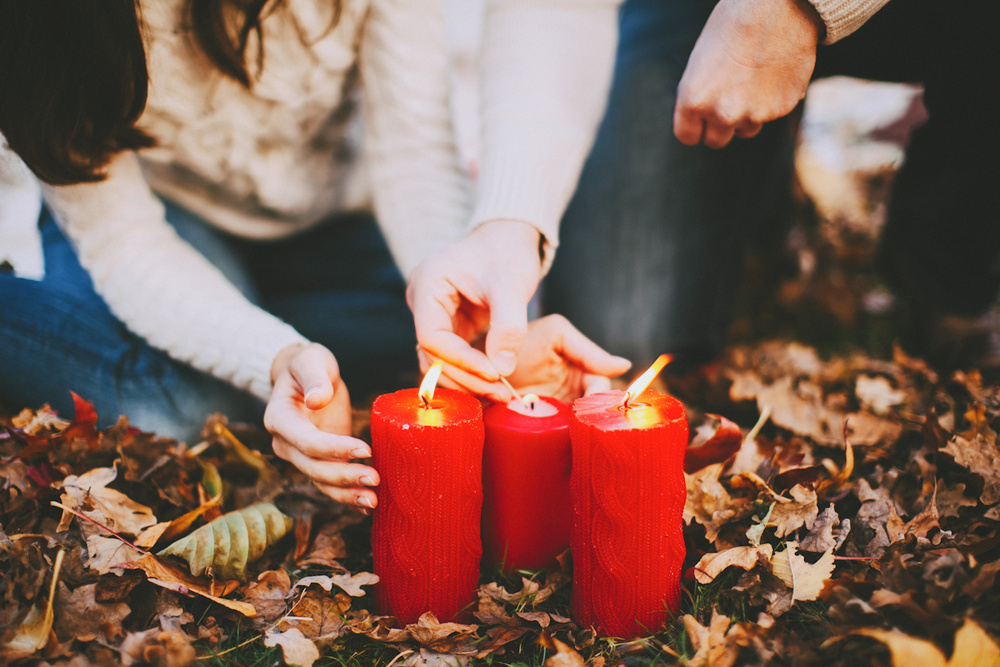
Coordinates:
878	518
33	633
269	594
906	650
565	655
820	537
347	582
296	649
444	637
979	455
319	616
427	658
79	616
715	646
877	394
156	647
805	579
790	515
710	565
708	502
169	577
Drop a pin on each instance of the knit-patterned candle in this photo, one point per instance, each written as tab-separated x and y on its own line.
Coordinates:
427	447
628	494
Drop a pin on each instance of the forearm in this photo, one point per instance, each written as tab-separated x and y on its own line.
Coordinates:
546	72
161	288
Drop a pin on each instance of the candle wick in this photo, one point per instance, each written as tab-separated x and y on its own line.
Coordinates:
532	405
423	399
625	401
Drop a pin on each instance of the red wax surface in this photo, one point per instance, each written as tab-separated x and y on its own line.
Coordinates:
628	497
526	505
425	529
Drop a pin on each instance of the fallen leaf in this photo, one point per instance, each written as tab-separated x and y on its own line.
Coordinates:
713	645
33	633
445	637
79	616
296	649
974	648
156	647
979	455
708	502
225	546
876	394
820	537
806	580
790	515
723	442
710	565
565	655
169	577
269	594
347	582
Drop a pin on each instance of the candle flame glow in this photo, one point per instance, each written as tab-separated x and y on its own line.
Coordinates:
646	379
529	400
429	383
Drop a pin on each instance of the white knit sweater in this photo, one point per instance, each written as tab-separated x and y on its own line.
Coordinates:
276	159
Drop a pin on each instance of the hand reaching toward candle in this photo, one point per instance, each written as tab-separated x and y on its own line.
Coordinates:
309	415
555	360
750	65
482	282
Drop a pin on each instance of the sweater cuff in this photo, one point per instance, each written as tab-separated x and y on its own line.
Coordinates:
257	364
842	17
525	192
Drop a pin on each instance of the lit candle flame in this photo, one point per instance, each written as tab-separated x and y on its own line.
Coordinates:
646	379
529	400
429	383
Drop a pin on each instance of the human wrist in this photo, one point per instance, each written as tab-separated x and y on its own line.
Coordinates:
811	18
516	233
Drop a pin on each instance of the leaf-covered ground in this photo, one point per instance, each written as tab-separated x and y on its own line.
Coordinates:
838	510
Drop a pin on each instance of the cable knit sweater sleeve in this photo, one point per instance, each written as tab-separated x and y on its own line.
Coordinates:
842	17
546	73
159	286
422	195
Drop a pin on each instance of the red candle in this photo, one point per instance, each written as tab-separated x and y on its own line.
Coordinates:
628	496
427	447
526	462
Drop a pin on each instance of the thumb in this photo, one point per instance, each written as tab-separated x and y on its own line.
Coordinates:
587	354
315	370
508	326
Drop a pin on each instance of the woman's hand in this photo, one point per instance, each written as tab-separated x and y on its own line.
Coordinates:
555	360
309	415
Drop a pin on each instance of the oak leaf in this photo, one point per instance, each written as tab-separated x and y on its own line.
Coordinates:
347	582
708	502
790	515
715	645
805	579
229	543
979	454
296	648
79	616
445	637
820	537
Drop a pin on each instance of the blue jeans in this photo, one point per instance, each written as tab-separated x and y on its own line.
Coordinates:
336	284
652	243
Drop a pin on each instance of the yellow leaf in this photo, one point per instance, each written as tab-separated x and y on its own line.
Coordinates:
33	633
906	650
229	543
297	649
974	648
806	580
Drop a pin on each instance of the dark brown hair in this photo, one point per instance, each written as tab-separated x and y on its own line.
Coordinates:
73	82
73	78
222	29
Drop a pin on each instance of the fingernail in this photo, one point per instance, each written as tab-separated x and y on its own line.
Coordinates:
366	481
366	512
505	361
365	501
309	393
361	452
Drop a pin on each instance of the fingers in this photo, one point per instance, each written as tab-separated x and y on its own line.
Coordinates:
585	353
593	384
689	127
508	326
315	370
454	377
